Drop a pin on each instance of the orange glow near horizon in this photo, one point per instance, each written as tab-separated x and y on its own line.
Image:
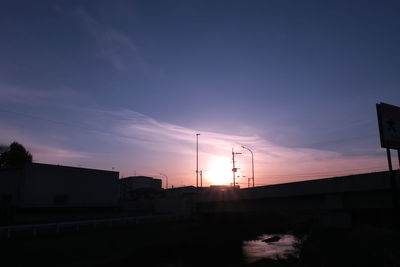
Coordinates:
219	171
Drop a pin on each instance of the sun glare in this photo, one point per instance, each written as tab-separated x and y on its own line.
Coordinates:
219	171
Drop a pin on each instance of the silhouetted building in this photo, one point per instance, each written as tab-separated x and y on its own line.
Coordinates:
135	187
40	185
138	194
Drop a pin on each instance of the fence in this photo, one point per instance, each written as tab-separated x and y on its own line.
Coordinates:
9	232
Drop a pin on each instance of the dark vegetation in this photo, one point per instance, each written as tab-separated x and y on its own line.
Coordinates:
14	156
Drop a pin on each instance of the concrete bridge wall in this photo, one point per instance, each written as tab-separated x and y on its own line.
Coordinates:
334	200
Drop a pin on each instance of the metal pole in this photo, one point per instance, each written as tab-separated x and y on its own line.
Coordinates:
398	156
392	181
197	160
233	168
252	166
201	178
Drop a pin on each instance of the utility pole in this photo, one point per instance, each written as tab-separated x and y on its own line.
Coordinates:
197	160
234	169
393	181
201	178
398	156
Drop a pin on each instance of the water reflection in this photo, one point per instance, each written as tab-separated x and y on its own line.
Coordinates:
212	252
256	250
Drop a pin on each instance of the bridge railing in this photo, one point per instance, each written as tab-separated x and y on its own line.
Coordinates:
12	231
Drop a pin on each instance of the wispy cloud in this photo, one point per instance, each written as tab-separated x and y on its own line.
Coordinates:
133	142
273	163
112	44
24	95
52	154
42	152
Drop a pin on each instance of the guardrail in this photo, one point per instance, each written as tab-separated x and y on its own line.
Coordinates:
12	231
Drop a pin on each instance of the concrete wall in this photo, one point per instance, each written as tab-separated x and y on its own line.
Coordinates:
179	205
337	185
61	186
178	201
335	202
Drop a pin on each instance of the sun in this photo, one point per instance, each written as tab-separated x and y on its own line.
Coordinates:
219	171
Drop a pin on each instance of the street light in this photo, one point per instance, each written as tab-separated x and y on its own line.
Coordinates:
166	180
252	162
197	160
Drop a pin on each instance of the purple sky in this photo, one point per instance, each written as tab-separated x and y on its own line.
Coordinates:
128	84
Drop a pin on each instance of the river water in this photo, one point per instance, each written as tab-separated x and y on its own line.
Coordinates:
256	250
245	254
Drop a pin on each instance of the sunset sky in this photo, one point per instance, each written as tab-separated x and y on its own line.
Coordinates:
126	85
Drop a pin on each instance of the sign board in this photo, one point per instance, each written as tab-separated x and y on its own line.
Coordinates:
389	125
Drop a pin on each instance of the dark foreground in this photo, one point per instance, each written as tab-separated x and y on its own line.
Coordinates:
202	243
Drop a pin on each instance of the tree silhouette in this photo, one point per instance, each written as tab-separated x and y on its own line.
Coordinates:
3	148
16	156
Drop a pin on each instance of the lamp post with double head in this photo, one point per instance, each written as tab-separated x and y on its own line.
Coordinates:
252	163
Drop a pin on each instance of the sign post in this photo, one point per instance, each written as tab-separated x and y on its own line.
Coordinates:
398	156
389	131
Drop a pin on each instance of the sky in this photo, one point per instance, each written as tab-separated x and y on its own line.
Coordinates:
127	85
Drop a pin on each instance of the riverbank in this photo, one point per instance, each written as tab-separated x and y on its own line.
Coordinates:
362	246
203	242
188	243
